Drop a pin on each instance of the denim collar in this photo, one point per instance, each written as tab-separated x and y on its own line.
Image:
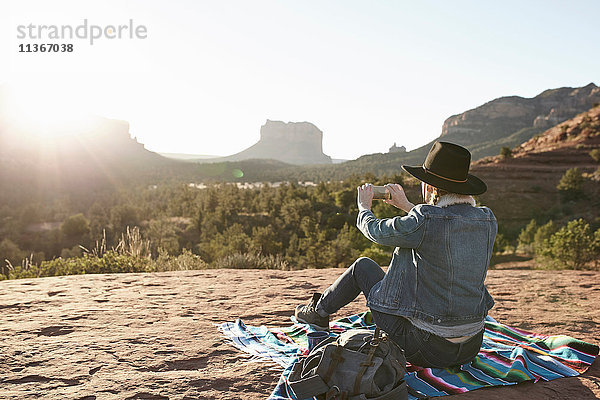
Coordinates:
450	199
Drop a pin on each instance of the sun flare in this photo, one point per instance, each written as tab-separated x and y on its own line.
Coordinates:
45	111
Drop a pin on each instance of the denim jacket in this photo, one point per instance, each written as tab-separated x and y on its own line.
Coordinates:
440	262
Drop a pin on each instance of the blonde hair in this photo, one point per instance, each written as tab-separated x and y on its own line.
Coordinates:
436	194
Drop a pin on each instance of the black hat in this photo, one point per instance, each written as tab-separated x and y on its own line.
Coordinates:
447	167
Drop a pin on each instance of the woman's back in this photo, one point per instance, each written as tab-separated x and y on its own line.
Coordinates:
439	265
453	259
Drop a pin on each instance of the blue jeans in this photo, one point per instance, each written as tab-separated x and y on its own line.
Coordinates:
420	347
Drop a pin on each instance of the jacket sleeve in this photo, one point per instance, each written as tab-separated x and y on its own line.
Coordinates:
404	231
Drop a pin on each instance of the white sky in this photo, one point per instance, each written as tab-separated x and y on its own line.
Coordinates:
367	73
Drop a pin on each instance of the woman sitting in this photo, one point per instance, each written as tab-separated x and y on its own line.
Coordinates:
432	300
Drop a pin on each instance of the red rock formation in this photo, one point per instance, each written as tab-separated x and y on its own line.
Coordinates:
291	142
524	186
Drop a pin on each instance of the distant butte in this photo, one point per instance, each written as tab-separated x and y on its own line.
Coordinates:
291	142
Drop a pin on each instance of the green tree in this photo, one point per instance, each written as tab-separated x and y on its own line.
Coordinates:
294	210
75	226
542	234
232	240
595	154
264	240
75	231
163	235
30	214
571	184
337	221
378	254
122	216
572	246
526	237
500	244
345	198
11	252
384	210
99	221
339	251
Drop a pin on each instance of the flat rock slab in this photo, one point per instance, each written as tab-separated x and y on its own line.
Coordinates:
154	336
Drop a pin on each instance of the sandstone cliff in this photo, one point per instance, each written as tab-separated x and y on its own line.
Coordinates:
506	121
291	142
523	186
92	154
509	121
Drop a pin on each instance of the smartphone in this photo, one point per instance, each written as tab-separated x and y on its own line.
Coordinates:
381	193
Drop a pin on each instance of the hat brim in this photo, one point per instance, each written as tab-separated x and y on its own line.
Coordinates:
473	185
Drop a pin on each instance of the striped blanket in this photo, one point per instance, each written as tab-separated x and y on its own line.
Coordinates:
508	356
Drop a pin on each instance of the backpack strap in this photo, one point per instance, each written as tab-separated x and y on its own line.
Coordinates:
336	358
336	394
304	384
368	362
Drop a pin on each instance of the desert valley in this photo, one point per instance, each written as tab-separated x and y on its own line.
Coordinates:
120	263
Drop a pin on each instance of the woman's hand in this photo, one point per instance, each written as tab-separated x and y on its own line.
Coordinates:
399	199
365	196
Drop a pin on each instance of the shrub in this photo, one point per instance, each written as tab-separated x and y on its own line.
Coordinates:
571	184
572	246
111	262
252	260
586	122
506	152
132	244
526	237
542	234
595	154
182	262
377	254
10	254
501	244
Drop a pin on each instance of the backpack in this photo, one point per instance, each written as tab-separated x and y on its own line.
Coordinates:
357	365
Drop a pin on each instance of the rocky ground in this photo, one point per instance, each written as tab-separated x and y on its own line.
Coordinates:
153	336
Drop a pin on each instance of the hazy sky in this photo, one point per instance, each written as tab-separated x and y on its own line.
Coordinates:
367	73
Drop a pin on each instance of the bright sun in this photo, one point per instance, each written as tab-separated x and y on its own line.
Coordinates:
45	110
